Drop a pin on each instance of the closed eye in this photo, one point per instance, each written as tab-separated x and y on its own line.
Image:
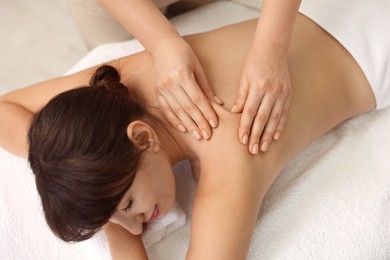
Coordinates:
128	206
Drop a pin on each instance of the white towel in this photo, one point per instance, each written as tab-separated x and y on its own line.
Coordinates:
164	226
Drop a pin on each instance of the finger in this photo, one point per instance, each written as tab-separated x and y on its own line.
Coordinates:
260	122
243	93
170	115
282	122
270	128
186	120
249	112
189	113
195	97
200	77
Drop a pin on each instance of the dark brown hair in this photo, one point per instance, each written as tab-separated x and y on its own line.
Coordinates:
81	156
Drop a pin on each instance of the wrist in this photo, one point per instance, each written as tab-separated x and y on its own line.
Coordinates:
269	54
167	43
168	46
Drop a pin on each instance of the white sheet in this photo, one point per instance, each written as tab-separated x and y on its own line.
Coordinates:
331	202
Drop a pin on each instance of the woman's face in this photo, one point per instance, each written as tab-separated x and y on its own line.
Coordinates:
151	195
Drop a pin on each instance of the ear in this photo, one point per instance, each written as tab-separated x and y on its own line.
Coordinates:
143	136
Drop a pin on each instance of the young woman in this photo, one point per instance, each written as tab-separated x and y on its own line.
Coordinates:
102	153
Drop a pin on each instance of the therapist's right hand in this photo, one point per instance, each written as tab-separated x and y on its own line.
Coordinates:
182	89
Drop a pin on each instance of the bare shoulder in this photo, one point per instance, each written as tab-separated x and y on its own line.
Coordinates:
228	197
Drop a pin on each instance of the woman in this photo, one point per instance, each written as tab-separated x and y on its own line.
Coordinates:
100	159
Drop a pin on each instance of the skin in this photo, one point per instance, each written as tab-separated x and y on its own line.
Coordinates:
265	87
329	87
153	186
183	89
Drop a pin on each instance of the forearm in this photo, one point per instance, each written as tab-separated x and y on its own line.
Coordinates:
18	107
275	26
143	20
13	129
124	245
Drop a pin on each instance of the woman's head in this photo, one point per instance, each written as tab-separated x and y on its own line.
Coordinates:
81	155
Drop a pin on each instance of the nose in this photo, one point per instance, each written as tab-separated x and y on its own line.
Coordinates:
136	224
133	223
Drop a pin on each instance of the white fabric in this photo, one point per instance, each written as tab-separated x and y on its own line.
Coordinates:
331	202
255	4
164	225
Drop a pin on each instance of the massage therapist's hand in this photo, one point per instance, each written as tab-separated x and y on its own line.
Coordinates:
263	98
182	89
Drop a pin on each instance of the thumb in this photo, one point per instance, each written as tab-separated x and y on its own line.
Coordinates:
242	96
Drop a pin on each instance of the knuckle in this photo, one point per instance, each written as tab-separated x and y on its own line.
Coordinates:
165	108
261	83
207	87
166	83
280	128
180	73
251	112
177	110
198	100
170	116
274	90
189	107
262	117
276	116
259	86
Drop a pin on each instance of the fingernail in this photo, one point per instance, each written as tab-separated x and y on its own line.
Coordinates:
219	101
181	128
234	108
205	134
264	146
277	135
255	149
196	135
212	123
245	139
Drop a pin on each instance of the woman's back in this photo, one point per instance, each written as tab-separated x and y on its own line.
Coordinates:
328	85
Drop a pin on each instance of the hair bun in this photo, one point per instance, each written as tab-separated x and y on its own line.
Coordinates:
107	77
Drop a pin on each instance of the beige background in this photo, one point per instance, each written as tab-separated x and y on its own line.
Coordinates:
38	40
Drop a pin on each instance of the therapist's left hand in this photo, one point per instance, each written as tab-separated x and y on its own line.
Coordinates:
263	98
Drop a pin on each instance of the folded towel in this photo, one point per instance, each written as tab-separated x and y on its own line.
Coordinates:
164	225
97	247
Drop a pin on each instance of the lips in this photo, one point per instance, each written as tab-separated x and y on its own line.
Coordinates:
154	214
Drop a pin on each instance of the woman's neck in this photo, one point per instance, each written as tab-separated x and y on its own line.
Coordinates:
137	72
175	143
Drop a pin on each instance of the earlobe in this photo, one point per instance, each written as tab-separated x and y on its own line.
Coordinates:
143	136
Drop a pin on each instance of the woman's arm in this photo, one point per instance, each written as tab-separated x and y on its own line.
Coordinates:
124	245
231	188
13	129
225	210
18	107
